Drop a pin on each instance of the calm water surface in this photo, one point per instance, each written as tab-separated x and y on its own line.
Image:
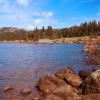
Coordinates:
20	63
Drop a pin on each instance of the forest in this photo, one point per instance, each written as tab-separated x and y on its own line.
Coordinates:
91	28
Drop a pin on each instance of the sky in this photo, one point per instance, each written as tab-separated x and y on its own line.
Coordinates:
29	14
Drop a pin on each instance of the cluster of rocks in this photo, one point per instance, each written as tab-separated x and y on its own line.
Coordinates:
24	91
92	52
67	85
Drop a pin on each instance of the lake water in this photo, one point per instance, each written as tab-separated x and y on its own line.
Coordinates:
23	64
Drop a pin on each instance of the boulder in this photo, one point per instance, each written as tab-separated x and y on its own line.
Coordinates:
93	59
85	73
52	97
91	97
65	92
91	49
95	75
74	80
61	86
69	75
93	54
49	83
92	83
63	72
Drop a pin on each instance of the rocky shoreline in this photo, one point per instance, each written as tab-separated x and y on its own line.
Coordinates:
65	84
92	52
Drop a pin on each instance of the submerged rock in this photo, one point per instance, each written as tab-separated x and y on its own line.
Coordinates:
7	88
26	91
35	98
13	98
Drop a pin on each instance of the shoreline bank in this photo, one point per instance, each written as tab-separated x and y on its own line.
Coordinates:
61	40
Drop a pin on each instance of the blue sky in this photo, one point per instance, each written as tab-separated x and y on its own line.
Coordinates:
58	13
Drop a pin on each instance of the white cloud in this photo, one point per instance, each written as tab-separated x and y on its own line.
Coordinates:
18	16
37	21
44	21
47	14
24	2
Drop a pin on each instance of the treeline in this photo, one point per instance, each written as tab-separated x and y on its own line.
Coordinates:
91	28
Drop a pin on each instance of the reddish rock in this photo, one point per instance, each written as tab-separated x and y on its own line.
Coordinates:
13	98
52	97
73	79
49	83
85	73
91	97
92	83
93	59
7	88
65	92
63	72
69	75
96	51
92	49
93	54
55	88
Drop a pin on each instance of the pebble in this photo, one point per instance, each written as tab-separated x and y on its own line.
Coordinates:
7	88
26	91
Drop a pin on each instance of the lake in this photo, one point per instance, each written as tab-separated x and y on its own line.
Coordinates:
23	64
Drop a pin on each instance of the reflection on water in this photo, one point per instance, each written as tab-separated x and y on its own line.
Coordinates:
20	63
